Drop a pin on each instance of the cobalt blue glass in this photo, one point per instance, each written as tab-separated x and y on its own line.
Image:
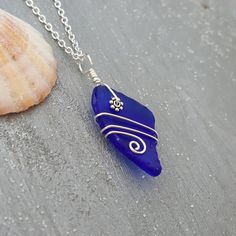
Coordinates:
122	133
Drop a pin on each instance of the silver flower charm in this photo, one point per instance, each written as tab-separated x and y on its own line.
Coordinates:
116	104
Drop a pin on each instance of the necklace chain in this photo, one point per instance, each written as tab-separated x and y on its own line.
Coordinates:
82	59
75	51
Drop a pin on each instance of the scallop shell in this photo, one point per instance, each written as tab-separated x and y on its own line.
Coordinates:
27	65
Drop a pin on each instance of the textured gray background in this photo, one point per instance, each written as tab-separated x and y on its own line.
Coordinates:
58	176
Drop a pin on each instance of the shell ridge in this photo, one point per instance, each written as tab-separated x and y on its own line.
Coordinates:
27	65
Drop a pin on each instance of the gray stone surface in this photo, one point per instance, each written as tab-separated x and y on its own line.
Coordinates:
58	176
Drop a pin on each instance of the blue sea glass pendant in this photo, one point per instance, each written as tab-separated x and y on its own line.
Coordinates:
129	126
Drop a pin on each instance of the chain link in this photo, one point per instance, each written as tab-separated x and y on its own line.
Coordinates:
82	59
75	51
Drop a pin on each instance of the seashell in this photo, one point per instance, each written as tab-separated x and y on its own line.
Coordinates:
27	65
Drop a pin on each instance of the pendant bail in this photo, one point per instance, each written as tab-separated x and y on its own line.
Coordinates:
85	66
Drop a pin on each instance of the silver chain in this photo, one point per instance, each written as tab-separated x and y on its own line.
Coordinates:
84	61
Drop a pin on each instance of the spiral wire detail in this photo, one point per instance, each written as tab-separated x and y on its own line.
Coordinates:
134	145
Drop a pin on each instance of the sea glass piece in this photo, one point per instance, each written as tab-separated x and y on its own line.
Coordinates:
129	126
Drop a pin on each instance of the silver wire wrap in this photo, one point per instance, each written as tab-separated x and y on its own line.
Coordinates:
134	146
86	61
